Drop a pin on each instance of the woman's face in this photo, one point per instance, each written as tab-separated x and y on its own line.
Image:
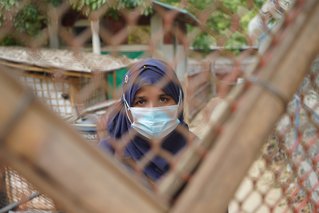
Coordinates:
152	96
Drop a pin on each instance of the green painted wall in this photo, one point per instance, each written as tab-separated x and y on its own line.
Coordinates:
120	72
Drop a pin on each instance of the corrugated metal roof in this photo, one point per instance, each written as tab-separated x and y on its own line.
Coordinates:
64	59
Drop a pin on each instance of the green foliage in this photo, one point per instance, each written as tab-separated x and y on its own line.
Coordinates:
199	4
245	19
139	35
233	5
131	4
7	4
9	41
55	3
91	5
29	20
113	13
203	42
259	3
87	5
172	2
219	21
236	41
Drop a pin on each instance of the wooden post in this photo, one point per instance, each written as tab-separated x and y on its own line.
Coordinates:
95	28
56	159
53	28
157	32
226	165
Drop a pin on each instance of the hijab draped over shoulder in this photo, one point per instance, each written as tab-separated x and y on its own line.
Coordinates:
146	72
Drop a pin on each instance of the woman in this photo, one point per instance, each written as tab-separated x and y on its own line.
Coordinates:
148	117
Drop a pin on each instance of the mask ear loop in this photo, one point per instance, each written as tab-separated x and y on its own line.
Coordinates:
179	102
127	107
180	97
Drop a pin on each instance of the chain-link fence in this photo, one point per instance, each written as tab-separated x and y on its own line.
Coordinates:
249	78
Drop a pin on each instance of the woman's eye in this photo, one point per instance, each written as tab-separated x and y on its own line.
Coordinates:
164	99
139	102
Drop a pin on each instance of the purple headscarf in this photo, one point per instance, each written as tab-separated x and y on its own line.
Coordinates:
147	72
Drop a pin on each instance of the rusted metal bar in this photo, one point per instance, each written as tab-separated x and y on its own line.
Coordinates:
18	203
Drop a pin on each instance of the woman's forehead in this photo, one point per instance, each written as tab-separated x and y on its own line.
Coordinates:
148	90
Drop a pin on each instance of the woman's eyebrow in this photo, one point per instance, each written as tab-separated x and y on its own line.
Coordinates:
163	94
139	97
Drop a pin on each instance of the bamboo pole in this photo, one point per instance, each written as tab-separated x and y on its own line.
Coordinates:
57	160
227	164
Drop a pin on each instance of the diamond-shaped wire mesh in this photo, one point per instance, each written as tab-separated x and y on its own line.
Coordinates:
214	52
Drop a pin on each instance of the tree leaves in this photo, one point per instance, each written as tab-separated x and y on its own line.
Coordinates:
203	42
29	20
228	22
87	6
219	25
7	4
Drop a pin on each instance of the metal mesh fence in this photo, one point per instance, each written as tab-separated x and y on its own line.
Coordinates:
16	191
86	90
284	178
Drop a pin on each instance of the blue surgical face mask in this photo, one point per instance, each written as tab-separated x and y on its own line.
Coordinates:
154	122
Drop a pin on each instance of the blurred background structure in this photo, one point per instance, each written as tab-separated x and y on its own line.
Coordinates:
250	72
